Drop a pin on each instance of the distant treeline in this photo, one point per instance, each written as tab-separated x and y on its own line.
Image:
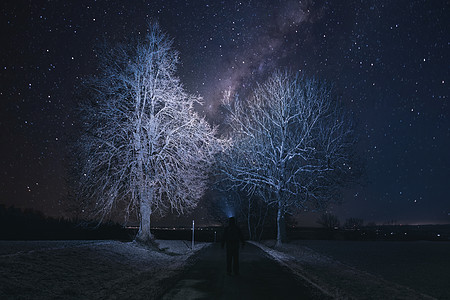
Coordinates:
28	224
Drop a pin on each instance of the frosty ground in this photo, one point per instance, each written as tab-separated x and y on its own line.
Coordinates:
90	269
118	270
369	270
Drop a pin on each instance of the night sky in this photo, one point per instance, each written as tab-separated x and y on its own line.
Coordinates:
389	61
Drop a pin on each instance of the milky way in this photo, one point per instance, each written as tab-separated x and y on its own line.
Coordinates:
263	46
387	60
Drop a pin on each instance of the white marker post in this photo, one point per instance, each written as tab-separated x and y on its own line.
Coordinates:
193	235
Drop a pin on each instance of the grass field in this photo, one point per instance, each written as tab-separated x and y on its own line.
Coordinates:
421	265
388	269
89	269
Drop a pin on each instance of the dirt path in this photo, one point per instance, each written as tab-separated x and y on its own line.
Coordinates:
260	278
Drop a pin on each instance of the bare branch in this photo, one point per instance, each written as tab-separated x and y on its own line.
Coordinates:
144	147
290	140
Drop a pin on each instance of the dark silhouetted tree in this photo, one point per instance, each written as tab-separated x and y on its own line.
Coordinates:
329	221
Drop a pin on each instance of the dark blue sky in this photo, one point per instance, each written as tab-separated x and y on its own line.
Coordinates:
388	60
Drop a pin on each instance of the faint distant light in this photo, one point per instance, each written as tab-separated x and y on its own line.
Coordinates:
229	213
438	234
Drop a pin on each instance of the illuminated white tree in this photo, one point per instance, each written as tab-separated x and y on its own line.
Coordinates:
291	143
144	147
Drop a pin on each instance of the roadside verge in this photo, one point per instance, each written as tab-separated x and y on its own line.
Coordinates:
334	278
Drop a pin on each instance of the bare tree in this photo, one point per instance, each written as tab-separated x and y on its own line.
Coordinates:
144	147
290	142
329	221
251	208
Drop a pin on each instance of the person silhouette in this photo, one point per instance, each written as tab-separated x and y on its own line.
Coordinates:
232	236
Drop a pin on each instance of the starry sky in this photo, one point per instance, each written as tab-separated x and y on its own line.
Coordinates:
388	61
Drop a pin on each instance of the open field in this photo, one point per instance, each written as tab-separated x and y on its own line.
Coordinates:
381	269
89	269
125	270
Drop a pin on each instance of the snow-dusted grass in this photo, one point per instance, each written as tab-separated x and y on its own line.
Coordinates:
339	280
90	269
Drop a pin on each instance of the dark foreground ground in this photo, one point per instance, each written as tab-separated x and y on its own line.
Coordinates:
90	269
260	278
118	270
423	266
125	270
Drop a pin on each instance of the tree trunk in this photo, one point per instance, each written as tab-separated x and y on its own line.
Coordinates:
281	230
263	222
279	242
145	194
144	235
248	220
